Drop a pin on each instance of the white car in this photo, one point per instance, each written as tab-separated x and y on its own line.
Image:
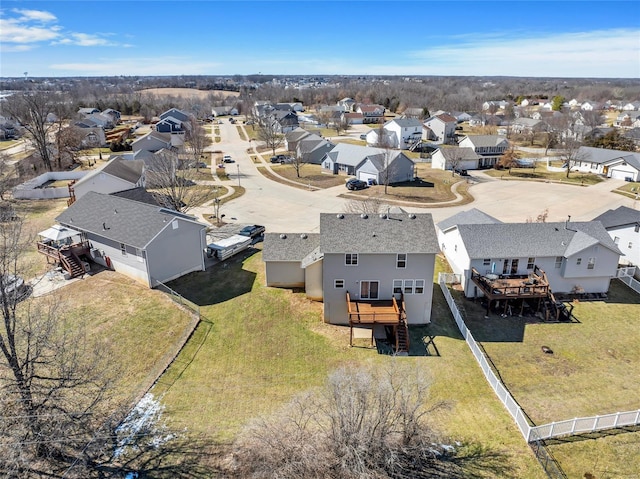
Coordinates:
227	159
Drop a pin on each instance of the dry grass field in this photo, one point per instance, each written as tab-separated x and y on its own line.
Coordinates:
187	93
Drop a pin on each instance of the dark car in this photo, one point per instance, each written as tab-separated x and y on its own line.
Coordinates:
252	231
356	184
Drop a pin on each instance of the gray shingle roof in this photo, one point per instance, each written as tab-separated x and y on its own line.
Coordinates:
402	233
459	153
480	141
602	155
128	170
406	122
470	217
513	240
119	219
621	216
291	247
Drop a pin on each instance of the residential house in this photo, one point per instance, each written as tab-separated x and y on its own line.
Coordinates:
148	243
177	114
489	147
576	257
88	111
455	157
411	112
223	110
631	106
313	148
589	105
113	176
401	133
101	120
461	116
114	114
283	121
351	118
90	137
628	119
440	128
634	135
367	163
615	164
347	104
368	270
153	141
170	124
623	225
371	113
292	138
495	105
526	125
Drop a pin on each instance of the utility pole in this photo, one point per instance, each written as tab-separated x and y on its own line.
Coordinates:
238	175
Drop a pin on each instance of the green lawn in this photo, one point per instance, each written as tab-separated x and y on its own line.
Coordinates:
591	372
541	174
259	346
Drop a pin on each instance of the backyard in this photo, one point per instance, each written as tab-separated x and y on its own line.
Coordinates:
258	346
587	374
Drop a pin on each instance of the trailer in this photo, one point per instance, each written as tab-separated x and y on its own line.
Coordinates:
223	249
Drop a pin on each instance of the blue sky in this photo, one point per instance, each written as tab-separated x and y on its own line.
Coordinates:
218	37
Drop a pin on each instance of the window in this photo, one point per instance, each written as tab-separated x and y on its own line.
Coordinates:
351	259
486	261
630	244
637	228
369	289
579	261
531	263
591	264
338	283
558	262
455	248
397	286
140	255
616	239
408	286
401	260
419	286
123	249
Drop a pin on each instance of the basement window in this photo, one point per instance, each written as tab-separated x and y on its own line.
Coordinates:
338	283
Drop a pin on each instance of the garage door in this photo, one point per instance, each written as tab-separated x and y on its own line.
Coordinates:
366	176
620	174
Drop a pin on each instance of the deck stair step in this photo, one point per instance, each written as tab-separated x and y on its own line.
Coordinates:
72	264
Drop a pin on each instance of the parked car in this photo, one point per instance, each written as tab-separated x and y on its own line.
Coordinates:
252	231
227	159
461	171
201	164
355	184
363	136
274	159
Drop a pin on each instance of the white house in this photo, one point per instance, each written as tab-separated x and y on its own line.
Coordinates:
610	163
576	256
454	157
145	242
116	175
440	128
623	225
401	133
489	147
367	163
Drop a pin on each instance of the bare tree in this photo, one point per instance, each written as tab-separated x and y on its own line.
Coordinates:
341	124
270	135
68	144
571	154
173	188
32	110
363	424
370	206
196	140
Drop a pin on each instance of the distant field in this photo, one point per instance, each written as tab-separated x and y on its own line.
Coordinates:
187	92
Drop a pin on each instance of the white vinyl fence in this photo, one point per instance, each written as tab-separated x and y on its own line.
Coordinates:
626	276
33	189
529	432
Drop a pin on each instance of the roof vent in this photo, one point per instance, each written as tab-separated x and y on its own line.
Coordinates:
364	216
115	212
283	236
412	216
303	236
340	216
383	216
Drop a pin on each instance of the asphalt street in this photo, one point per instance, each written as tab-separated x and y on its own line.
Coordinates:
283	208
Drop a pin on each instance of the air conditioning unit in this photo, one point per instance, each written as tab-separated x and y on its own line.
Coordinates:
86	266
94	253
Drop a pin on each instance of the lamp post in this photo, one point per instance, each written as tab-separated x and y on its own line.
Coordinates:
238	175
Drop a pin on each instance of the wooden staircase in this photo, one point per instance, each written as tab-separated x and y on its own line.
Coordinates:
402	331
71	263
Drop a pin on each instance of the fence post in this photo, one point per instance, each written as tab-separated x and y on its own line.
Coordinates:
595	423
615	422
573	425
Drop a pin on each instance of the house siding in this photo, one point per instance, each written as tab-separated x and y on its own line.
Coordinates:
175	252
102	183
132	264
285	274
382	268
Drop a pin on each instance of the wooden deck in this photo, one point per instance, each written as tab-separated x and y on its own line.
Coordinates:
500	287
379	312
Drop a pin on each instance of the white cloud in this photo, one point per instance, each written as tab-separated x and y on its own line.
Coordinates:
34	15
13	32
603	53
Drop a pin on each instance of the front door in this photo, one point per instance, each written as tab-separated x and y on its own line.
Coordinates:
369	289
514	266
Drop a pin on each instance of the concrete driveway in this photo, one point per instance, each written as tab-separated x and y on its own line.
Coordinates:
285	208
